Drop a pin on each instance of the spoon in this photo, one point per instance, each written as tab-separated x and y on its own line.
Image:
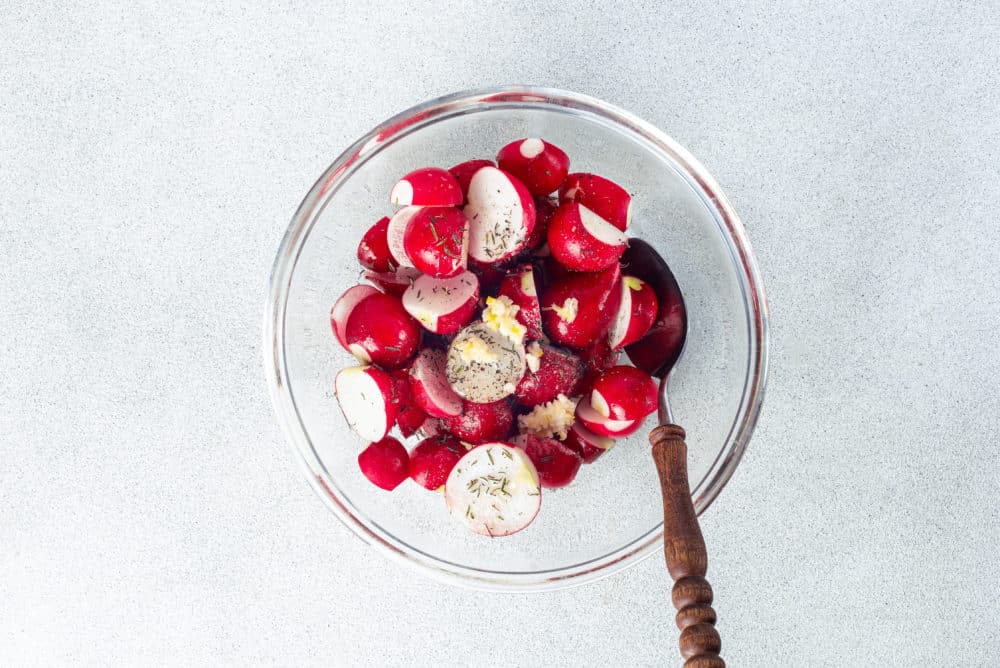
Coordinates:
683	545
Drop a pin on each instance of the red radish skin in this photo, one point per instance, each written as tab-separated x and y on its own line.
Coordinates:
365	396
430	427
559	372
545	208
581	240
636	313
587	416
586	443
373	251
393	282
519	285
479	423
342	309
490	275
436	241
395	233
494	490
664	338
410	416
604	197
578	308
541	166
429	385
379	330
430	186
464	170
557	465
443	305
432	460
501	215
385	463
624	393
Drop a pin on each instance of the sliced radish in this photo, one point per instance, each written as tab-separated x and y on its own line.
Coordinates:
583	241
605	198
545	208
443	305
393	282
395	232
636	313
578	308
379	330
586	443
479	423
483	364
519	287
410	416
429	385
541	166
624	393
494	489
373	251
430	186
559	372
501	215
365	397
433	459
588	416
385	463
463	172
341	310
436	241
557	465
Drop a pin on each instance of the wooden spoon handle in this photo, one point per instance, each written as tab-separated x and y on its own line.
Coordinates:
684	549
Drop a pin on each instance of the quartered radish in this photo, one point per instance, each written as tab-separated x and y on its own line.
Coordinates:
464	170
519	287
494	489
636	313
443	305
623	393
395	231
393	282
501	215
577	308
588	416
429	385
483	364
557	465
433	459
365	396
559	372
479	423
379	330
604	197
385	463
586	443
342	310
410	416
430	186
373	251
541	166
436	241
583	241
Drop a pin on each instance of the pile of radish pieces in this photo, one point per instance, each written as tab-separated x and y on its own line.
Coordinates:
492	330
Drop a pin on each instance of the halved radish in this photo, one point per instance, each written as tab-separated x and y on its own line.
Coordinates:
605	198
519	287
483	364
373	251
385	463
393	282
597	358
429	385
342	310
430	186
464	170
545	208
578	307
433	459
501	215
665	338
436	241
365	397
443	305
396	230
586	443
583	241
489	275
379	330
636	313
559	372
410	416
588	416
494	489
541	166
624	393
556	464
430	427
479	423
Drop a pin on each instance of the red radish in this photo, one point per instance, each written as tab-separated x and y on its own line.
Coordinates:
586	443
577	308
545	208
519	287
443	305
379	330
373	251
393	282
479	423
396	231
341	310
410	416
623	393
490	275
429	385
494	489
464	170
636	313
433	459
430	186
501	215
556	464
664	338
559	372
483	364
597	358
541	166
385	463
436	241
430	427
365	396
605	198
583	241
602	426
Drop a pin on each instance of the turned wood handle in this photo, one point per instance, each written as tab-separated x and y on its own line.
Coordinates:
684	549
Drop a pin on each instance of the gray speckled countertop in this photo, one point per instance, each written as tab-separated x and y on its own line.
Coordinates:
151	159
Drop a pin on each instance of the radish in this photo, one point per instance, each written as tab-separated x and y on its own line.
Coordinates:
436	241
519	287
393	282
664	338
541	166
429	385
583	241
380	331
365	396
623	393
605	198
501	215
410	416
343	307
586	443
430	427
636	313
433	459
430	186
545	208
494	489
479	423
556	464
578	307
463	172
396	231
490	275
373	251
385	463
443	305
483	364
559	372
588	416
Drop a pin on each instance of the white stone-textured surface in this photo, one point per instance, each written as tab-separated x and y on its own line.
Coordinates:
152	156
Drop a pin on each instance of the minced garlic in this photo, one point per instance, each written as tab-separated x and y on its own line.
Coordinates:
552	419
567	312
474	349
534	356
500	314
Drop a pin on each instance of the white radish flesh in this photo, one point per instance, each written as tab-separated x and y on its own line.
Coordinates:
484	365
432	300
365	398
619	326
494	490
601	229
500	215
394	234
430	387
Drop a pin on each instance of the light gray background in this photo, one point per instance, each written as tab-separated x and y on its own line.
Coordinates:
150	159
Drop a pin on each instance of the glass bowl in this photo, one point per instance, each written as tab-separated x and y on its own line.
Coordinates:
611	516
